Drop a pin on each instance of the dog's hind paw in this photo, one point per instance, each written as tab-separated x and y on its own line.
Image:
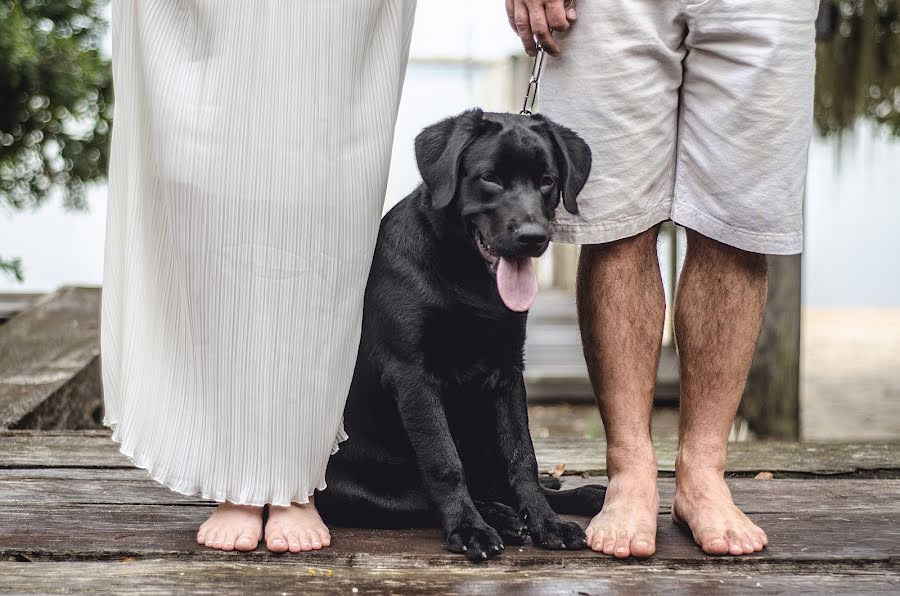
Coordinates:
478	543
505	520
558	535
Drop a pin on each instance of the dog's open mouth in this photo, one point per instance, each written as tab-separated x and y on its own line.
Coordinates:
516	279
490	258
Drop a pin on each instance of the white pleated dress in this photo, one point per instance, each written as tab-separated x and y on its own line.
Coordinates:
250	156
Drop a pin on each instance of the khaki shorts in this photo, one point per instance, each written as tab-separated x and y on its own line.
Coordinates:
699	112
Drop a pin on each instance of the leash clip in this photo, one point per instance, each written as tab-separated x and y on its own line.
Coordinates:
531	91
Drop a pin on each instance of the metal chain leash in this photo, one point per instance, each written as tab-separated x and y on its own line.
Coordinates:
531	91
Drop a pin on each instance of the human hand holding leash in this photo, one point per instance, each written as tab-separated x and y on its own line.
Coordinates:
532	19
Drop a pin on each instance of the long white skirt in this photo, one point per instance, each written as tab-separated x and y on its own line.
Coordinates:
250	156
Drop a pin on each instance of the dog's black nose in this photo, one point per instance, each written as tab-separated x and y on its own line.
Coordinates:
531	234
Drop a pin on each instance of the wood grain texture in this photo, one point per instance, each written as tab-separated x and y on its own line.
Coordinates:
12	303
231	575
48	486
75	517
94	449
49	362
101	531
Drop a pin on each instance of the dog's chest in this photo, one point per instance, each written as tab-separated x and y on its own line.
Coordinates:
465	348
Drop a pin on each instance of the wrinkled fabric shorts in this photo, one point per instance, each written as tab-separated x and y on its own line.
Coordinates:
699	112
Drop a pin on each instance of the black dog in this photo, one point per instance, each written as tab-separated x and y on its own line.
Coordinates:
436	412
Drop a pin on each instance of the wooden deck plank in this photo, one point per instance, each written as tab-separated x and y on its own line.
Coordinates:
89	449
74	486
12	303
49	362
75	516
231	576
42	532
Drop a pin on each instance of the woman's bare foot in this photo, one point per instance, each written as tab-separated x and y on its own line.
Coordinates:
703	502
232	527
626	526
296	528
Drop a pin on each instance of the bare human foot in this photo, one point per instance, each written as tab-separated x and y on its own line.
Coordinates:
703	503
232	527
626	526
296	528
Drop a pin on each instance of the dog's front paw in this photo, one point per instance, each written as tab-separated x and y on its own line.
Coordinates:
476	542
556	534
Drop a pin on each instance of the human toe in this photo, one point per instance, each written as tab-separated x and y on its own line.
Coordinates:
305	542
621	544
713	542
247	540
228	540
292	535
275	540
734	543
642	546
314	539
596	539
324	536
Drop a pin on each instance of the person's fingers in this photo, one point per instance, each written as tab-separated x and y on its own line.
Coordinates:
556	16
570	10
511	14
541	30
523	27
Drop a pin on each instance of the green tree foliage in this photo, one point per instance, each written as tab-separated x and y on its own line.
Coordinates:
55	103
858	64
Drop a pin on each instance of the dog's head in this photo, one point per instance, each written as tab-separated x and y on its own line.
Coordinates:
503	176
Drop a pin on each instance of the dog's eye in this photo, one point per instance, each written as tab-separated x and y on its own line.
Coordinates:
547	181
492	178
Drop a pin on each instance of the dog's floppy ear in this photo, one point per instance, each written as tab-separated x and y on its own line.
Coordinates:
439	149
573	158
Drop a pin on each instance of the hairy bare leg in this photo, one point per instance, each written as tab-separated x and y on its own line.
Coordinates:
621	310
296	528
232	527
718	313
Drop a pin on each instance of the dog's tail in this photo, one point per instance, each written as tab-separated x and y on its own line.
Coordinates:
551	482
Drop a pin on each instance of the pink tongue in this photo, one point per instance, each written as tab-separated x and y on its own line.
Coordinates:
516	283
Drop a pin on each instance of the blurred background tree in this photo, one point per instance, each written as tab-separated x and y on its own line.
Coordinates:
55	104
858	64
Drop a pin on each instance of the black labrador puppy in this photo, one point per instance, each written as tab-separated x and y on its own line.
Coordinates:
436	412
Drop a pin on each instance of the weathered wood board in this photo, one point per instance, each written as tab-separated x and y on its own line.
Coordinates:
232	575
76	517
12	303
97	486
85	449
42	532
50	362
